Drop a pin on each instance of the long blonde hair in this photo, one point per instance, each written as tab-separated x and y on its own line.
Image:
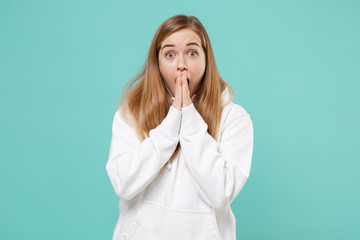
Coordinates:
146	97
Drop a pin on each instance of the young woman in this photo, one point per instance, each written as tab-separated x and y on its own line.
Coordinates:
181	150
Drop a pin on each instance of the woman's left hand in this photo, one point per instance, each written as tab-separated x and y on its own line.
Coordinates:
187	100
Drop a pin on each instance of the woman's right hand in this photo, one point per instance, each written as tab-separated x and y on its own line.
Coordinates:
178	92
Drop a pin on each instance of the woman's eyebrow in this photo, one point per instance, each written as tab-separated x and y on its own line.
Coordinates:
172	45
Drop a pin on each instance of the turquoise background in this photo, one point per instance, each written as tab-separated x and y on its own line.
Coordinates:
294	66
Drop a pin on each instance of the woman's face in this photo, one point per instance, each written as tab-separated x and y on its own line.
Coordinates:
182	52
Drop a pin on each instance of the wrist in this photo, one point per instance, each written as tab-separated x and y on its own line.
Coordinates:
177	106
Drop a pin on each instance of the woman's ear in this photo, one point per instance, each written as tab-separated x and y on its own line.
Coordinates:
193	97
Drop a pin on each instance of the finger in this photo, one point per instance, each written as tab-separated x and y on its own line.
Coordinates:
185	86
178	93
178	88
186	94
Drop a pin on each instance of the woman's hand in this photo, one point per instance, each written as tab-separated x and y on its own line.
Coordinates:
182	93
186	101
178	93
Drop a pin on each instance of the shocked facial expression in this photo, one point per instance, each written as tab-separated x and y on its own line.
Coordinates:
182	52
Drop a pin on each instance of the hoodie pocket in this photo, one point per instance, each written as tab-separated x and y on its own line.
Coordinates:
155	221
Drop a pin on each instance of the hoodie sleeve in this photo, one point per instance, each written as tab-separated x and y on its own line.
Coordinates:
219	173
133	165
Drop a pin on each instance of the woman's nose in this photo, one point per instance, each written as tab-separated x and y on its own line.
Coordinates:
181	64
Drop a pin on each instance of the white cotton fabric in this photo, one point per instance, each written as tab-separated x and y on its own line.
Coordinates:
181	203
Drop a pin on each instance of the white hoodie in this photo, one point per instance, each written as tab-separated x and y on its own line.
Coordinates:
181	203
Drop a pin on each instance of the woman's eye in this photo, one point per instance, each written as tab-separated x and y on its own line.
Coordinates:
193	55
171	55
167	54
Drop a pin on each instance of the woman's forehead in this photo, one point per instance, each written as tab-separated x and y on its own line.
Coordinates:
182	38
